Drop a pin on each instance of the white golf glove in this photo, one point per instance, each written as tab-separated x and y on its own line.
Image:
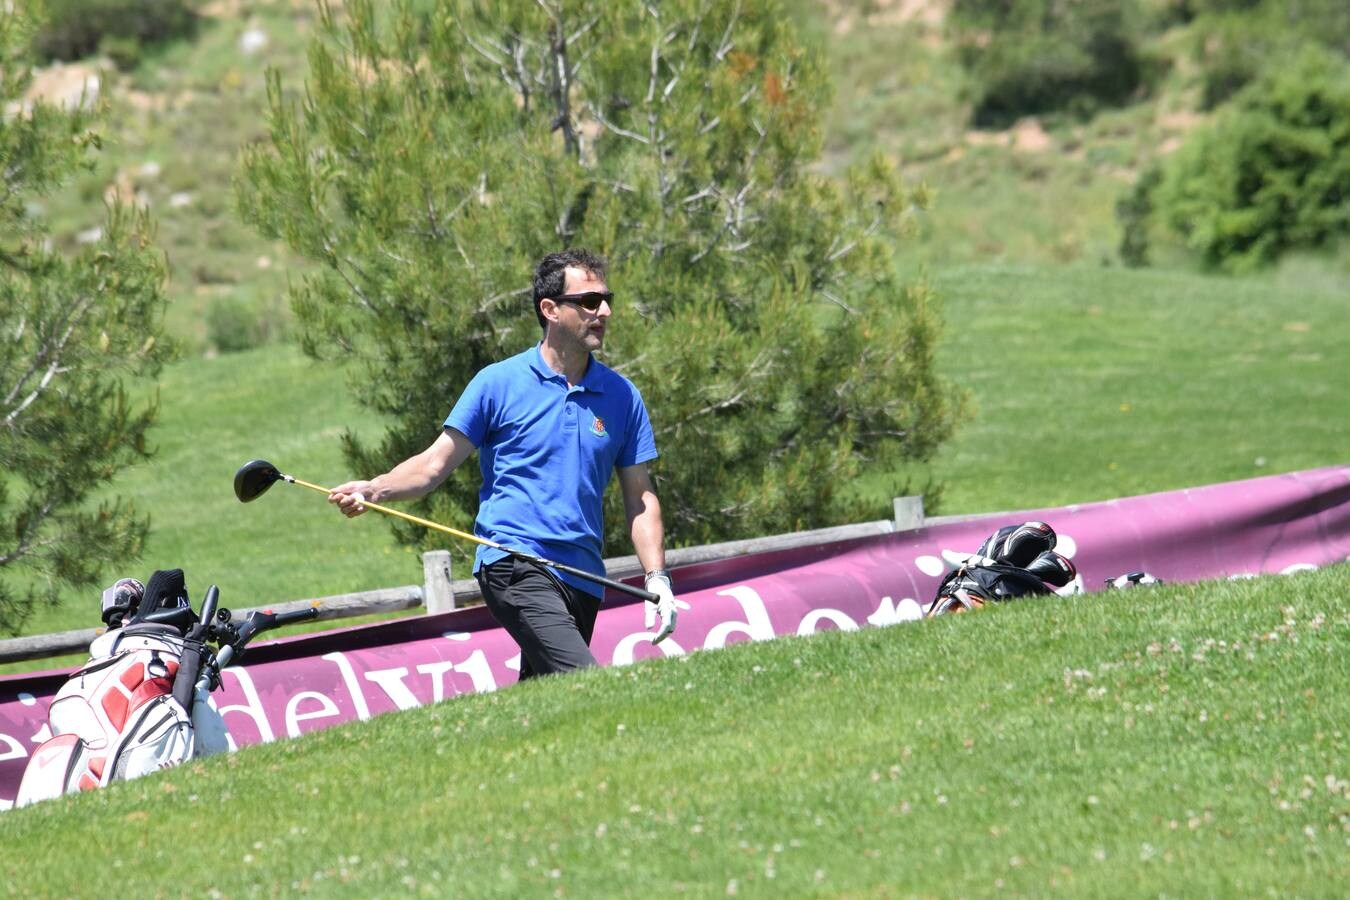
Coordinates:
658	583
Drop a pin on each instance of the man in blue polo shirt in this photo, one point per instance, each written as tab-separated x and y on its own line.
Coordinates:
550	425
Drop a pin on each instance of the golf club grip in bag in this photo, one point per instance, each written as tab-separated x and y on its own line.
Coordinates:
194	648
189	667
995	582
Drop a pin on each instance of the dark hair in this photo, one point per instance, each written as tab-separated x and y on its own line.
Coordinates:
550	276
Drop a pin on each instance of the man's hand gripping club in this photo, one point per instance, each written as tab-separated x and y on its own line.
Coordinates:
663	608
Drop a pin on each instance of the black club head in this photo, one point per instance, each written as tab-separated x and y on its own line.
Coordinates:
254	478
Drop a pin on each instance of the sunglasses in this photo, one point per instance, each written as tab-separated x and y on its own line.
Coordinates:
589	301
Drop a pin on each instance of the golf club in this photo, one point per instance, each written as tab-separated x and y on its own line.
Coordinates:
256	476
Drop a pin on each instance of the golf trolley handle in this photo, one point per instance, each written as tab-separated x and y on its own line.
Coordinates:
265	620
256	623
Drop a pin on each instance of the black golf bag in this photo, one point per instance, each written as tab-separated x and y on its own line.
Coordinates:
1015	561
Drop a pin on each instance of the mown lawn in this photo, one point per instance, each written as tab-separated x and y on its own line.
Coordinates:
1186	740
1091	383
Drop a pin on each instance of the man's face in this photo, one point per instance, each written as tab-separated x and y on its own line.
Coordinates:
573	322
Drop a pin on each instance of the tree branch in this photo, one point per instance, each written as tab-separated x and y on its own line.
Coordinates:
521	75
561	86
26	545
725	45
838	302
49	356
610	126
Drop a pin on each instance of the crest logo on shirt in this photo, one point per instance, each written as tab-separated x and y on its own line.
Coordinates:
598	427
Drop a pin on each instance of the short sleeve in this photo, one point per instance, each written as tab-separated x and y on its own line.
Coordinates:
639	444
471	415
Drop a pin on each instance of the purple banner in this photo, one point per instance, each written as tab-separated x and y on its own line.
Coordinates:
1281	523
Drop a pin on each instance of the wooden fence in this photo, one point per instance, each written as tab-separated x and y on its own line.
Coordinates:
438	592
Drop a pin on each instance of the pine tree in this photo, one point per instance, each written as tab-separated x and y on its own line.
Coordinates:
74	328
437	155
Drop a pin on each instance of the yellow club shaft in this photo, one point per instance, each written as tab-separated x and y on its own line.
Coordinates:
417	520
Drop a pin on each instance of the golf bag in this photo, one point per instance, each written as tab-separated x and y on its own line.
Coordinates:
1016	561
141	703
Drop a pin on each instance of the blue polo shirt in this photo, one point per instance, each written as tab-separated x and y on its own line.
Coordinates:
547	450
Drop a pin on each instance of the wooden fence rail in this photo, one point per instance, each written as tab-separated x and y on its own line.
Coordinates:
439	593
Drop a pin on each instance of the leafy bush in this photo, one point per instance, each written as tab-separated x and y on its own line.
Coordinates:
1273	170
1234	41
235	324
1230	54
1035	56
121	28
1134	212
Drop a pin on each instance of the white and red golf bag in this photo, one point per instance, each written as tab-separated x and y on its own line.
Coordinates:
117	717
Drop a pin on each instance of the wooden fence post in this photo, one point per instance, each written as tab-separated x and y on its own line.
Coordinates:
908	513
437	591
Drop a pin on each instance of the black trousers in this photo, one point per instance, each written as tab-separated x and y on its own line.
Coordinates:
550	620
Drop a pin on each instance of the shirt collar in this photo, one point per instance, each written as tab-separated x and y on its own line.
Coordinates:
591	381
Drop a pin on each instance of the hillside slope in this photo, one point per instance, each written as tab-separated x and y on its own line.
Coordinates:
1187	740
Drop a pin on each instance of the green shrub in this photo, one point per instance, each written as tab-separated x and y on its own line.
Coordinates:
124	51
235	324
1134	212
1272	172
121	28
1233	41
1230	54
1029	57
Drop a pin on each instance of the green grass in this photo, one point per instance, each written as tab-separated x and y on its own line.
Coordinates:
1093	383
281	406
1188	740
900	92
898	88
